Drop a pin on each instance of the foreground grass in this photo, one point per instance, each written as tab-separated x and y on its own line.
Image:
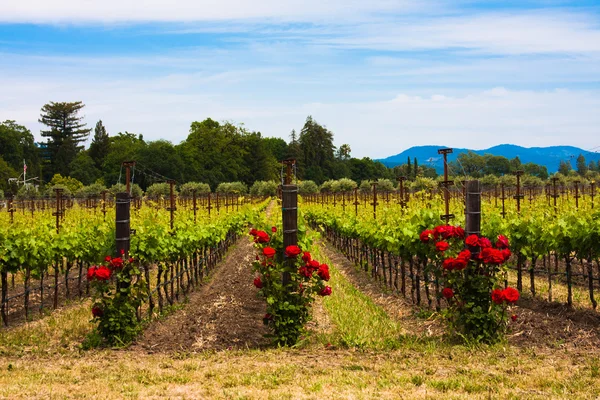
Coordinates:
310	373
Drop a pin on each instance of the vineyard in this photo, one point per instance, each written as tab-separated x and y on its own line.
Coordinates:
376	290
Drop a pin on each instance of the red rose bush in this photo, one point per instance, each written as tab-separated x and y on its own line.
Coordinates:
469	269
288	278
118	291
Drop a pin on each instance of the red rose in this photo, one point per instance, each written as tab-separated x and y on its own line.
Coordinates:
511	295
97	311
305	271
117	263
484	243
497	296
91	272
442	246
274	229
445	231
459	232
448	264
513	317
472	240
253	232
262	237
258	283
464	255
460	264
506	254
492	256
313	265
447	293
292	251
102	273
122	252
326	291
107	258
502	242
269	252
131	260
425	235
306	257
324	272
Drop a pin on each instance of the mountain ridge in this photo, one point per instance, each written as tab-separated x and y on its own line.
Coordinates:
549	156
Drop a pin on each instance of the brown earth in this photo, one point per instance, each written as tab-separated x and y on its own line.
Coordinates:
223	314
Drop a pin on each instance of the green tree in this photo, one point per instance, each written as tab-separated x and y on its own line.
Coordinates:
515	164
408	169
158	159
536	170
317	147
582	167
469	163
84	169
343	153
564	167
496	165
416	169
100	145
123	147
6	172
65	136
277	147
17	145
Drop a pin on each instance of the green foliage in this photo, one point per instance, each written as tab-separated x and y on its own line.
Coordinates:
232	188
28	192
17	144
6	172
91	191
307	187
188	188
158	191
100	145
72	184
136	190
83	169
264	188
50	193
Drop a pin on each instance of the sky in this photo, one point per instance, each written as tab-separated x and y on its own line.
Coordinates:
382	75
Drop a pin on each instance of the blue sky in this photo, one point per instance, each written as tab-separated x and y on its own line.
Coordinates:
383	75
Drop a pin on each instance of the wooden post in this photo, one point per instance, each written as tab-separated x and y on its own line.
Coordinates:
122	223
447	216
577	194
503	198
401	200
194	203
518	196
374	203
128	165
289	215
11	209
172	206
592	192
59	212
209	207
554	194
104	204
356	202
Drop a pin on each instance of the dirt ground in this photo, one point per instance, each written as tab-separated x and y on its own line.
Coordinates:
223	314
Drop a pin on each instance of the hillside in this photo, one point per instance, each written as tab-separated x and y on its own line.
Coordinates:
547	156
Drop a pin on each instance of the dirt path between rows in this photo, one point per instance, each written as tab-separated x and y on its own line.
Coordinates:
223	314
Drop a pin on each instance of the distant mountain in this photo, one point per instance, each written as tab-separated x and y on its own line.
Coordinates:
547	156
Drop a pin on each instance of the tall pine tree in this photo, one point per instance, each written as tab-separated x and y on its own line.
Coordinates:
100	145
65	136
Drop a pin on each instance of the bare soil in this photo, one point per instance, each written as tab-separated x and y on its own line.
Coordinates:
224	314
